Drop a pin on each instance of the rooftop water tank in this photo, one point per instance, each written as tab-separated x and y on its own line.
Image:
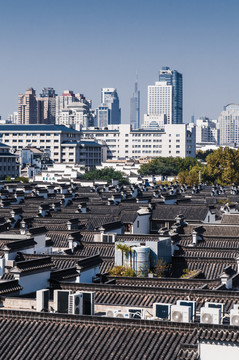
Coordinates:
141	259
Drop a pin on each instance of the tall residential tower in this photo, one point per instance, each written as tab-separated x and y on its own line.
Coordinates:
27	107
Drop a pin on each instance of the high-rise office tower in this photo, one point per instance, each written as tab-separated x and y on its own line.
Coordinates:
27	107
135	108
46	106
110	99
103	116
174	79
229	125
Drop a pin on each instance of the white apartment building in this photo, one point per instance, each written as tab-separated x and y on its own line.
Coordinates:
85	153
160	100
13	118
207	132
44	137
229	125
74	110
122	142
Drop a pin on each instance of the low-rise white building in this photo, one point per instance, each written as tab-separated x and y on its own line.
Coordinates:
175	140
58	172
44	137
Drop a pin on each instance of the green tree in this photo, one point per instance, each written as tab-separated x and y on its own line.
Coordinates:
201	155
167	166
223	166
107	174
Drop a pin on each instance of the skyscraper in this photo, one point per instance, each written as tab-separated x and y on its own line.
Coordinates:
46	104
27	107
229	125
135	108
110	99
174	79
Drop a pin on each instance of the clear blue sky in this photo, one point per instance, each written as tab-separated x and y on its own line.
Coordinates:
86	45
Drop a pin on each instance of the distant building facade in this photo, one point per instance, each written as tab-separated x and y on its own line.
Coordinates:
135	108
123	142
46	104
165	97
8	163
44	137
207	132
74	110
13	118
27	107
110	100
229	125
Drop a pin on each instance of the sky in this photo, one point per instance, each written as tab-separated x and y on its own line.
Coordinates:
86	45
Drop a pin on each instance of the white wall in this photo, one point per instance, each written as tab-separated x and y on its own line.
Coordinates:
141	224
219	351
86	276
33	282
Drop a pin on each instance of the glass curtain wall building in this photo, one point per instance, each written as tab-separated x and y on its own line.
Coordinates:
175	79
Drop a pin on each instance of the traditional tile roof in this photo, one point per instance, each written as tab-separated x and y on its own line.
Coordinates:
231	219
18	245
137	237
169	212
9	286
103	249
211	268
32	265
72	337
167	283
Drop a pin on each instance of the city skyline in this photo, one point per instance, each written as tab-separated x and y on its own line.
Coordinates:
193	42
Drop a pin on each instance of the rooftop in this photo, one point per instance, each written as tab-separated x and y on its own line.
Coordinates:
36	127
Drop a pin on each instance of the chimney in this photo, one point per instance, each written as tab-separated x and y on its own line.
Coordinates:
23	227
194	238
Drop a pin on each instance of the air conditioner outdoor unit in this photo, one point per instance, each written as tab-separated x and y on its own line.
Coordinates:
118	314
234	317
42	298
61	300
81	303
210	315
136	313
109	313
88	303
192	304
213	305
236	307
161	311
75	304
181	313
